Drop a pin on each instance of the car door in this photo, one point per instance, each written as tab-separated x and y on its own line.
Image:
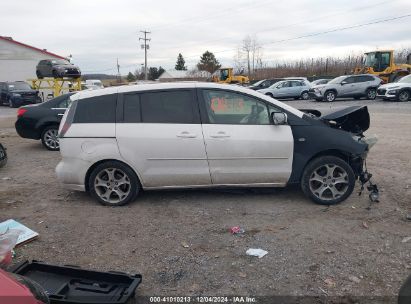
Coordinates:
296	88
347	87
242	146
282	90
161	136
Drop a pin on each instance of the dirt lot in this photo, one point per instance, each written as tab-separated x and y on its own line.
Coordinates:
312	250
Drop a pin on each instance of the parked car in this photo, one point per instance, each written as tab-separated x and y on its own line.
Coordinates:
94	82
355	86
265	83
117	141
57	68
42	121
288	89
319	82
17	93
399	91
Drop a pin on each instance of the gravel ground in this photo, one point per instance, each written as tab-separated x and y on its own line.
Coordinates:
179	240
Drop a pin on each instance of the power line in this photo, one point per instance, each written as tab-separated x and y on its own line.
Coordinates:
145	46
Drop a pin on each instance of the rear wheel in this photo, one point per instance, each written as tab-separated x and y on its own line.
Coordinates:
404	96
371	94
328	180
330	96
49	138
113	184
305	96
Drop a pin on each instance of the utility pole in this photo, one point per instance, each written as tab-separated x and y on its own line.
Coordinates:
145	46
118	72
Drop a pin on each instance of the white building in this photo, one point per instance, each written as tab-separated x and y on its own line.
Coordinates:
18	60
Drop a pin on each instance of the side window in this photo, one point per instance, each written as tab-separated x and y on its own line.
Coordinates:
369	78
296	83
167	107
225	107
98	109
64	104
132	110
349	80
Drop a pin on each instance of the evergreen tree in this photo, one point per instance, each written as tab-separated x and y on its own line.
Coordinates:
180	65
131	77
208	63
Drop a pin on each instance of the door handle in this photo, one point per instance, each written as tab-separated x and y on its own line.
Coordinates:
220	134
60	114
186	134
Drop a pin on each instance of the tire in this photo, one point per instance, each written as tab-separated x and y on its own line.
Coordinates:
330	96
3	156
331	174
305	95
106	176
404	96
49	138
39	76
371	94
37	291
55	74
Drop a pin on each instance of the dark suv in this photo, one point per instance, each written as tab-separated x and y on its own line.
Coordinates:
57	68
16	94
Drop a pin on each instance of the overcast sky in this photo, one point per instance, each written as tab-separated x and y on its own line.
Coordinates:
97	32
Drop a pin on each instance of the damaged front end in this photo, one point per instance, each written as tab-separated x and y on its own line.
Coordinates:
355	120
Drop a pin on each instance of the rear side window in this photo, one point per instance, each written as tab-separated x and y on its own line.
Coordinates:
167	107
132	108
98	109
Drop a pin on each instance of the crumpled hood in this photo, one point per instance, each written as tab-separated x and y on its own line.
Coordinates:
354	119
318	86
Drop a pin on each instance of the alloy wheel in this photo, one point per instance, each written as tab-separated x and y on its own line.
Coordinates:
372	94
51	139
305	96
329	182
330	96
404	96
112	185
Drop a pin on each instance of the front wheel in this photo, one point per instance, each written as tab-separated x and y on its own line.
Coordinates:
371	94
330	96
404	96
328	180
113	184
49	138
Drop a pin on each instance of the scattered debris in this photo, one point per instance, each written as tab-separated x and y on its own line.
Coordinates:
408	217
406	239
6	178
365	225
256	252
354	279
330	282
237	230
185	244
353	207
26	234
323	290
242	275
330	251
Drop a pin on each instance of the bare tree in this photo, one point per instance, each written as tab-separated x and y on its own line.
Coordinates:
252	52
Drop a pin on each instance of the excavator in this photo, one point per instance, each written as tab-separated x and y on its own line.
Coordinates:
381	64
226	75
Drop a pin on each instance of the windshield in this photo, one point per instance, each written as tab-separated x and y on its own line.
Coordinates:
338	79
59	61
277	84
258	83
406	79
18	86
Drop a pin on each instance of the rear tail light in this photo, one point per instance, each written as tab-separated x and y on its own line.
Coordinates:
20	112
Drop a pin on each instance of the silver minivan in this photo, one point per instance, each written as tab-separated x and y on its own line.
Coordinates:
116	142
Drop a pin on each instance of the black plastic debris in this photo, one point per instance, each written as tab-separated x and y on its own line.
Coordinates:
73	285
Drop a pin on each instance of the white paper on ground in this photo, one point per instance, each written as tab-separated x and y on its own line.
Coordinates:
256	252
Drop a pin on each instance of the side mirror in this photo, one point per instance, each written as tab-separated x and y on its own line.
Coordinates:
278	118
344	83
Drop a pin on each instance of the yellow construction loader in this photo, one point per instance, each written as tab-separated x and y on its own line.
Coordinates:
381	64
226	75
